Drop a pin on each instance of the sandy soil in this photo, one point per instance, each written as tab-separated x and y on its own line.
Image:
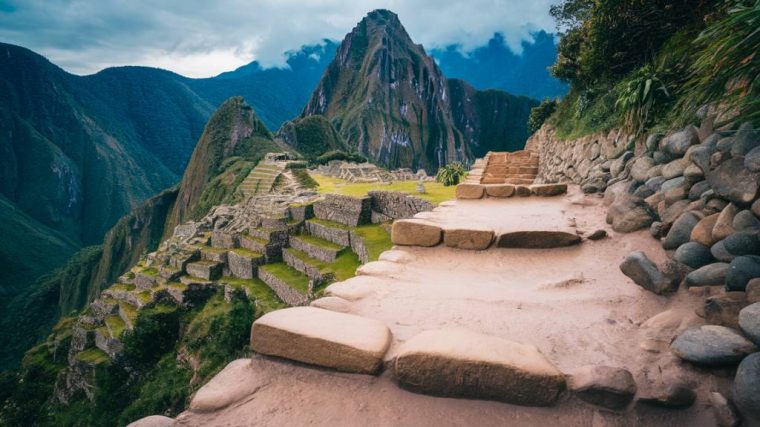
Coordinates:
574	304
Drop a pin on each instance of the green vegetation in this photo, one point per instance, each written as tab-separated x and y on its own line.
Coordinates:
538	115
434	192
312	136
632	64
344	267
451	174
376	238
263	296
246	252
94	356
339	155
304	178
316	241
115	324
294	278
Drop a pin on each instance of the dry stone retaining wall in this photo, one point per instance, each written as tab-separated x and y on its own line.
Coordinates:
283	290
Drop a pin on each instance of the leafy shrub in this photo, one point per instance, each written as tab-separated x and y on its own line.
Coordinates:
538	115
642	94
451	174
727	67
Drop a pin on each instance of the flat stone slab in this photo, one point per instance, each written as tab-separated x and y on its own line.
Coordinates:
230	385
397	256
416	232
332	303
547	190
470	191
537	239
468	238
500	190
712	345
462	363
324	338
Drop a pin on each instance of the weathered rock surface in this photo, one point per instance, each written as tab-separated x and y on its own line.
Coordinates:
537	239
745	221
605	386
645	273
693	254
679	142
332	303
500	190
680	231
416	232
703	232
732	181
397	256
475	238
324	338
724	309
753	290
676	395
741	270
712	345
718	250
747	388
709	275
461	363
230	385
749	322
548	189
752	160
629	214
724	224
743	243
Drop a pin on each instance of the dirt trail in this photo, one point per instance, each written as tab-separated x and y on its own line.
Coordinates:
573	303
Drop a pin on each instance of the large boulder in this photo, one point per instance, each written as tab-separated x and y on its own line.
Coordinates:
476	238
698	189
752	160
645	273
693	254
741	270
628	214
732	181
745	140
679	142
500	190
712	345
605	386
461	363
718	250
640	168
324	338
702	233
744	243
709	275
548	189
746	221
747	388
680	231
416	232
749	322
724	225
675	168
470	191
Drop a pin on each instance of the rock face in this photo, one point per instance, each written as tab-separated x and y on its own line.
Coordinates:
460	363
645	273
320	337
389	101
712	345
747	388
605	386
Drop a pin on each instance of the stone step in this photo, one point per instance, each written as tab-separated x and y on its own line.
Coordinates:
315	336
128	314
315	247
313	268
462	363
290	285
243	263
270	235
205	269
328	230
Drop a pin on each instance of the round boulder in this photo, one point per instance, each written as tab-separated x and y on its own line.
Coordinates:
680	232
645	273
709	275
732	181
720	253
605	386
747	388
752	160
712	345
741	270
745	221
693	254
743	243
724	225
702	232
749	322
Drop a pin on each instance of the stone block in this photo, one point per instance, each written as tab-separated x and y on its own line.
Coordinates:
416	232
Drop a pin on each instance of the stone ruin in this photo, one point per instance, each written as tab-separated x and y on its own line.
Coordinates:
368	172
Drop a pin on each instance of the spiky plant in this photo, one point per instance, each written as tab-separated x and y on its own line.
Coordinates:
451	174
641	93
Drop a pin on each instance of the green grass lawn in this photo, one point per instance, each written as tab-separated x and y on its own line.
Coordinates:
93	355
376	239
434	191
294	278
316	241
115	324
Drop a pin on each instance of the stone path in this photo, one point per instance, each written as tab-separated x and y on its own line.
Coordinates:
519	167
470	313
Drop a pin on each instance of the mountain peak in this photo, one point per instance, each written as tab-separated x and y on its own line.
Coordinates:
381	17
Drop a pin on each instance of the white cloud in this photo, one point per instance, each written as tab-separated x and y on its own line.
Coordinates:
204	38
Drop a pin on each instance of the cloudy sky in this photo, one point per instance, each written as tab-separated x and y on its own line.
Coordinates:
202	38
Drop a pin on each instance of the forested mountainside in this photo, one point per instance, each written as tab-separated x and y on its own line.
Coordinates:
390	102
78	152
234	140
496	66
